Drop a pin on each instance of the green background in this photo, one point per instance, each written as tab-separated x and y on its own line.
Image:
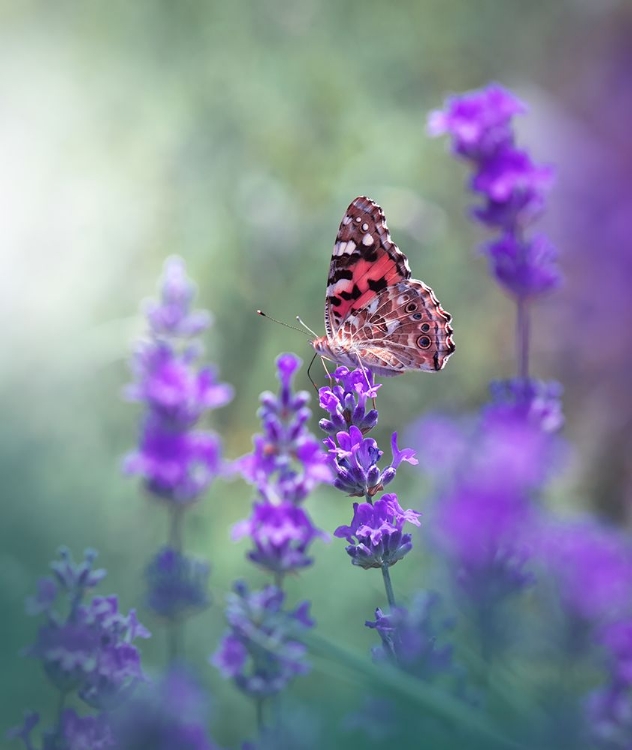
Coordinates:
234	135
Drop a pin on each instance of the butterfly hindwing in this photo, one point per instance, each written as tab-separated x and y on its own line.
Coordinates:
405	328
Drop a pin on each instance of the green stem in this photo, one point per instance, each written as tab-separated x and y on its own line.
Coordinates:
522	338
61	702
388	586
175	628
175	528
260	723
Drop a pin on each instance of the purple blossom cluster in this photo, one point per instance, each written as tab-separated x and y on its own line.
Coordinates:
86	648
177	584
512	185
286	465
176	461
169	714
491	468
411	637
175	458
375	535
262	651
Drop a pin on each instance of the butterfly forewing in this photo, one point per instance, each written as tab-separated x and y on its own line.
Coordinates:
375	314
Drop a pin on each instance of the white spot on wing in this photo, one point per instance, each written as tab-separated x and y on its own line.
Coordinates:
367	239
346	220
365	227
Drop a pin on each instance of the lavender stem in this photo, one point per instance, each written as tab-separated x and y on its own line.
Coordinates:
522	338
388	586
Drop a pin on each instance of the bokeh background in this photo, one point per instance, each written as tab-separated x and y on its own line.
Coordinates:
235	135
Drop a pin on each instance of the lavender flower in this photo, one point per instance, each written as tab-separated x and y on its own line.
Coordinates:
592	566
262	652
169	713
285	466
352	457
354	460
281	535
177	585
535	401
176	461
75	733
89	649
375	536
410	637
513	188
346	401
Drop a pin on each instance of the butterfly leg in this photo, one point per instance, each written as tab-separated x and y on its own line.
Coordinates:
309	376
331	380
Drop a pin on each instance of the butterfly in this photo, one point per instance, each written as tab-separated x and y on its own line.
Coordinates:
376	316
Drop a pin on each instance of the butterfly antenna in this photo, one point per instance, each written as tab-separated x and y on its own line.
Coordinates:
287	325
306	326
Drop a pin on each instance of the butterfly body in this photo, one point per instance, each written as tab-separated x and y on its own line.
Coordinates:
376	316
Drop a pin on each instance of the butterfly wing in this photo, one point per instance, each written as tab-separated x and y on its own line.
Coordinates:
364	262
374	311
404	328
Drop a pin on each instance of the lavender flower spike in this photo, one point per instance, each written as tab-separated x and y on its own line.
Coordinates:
262	651
286	465
176	461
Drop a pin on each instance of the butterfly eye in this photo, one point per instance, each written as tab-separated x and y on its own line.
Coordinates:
423	342
411	307
418	316
425	327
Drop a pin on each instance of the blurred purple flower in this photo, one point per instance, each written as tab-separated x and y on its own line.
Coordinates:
168	714
525	268
592	566
177	466
172	315
536	401
86	732
410	637
262	652
176	462
172	386
375	536
281	534
513	186
90	648
177	585
478	121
